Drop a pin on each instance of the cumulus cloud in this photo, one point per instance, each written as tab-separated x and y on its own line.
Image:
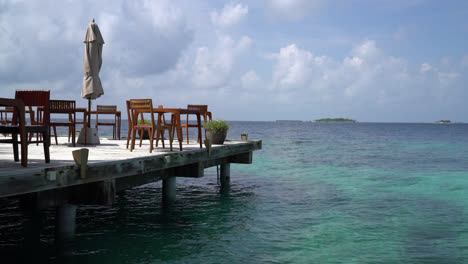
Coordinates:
212	67
293	9
251	81
293	69
425	67
365	79
231	14
165	51
142	37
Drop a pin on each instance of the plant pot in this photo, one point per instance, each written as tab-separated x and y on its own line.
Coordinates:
216	138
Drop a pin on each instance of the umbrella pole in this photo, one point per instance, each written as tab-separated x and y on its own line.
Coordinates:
89	112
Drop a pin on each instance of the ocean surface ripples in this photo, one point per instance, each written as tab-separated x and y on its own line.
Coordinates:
316	193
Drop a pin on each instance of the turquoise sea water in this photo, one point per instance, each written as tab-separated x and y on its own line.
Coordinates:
316	193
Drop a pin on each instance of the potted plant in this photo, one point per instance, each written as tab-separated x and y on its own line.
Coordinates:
216	131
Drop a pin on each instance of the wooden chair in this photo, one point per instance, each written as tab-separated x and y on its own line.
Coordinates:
4	115
138	107
107	110
203	112
16	128
39	99
162	120
64	107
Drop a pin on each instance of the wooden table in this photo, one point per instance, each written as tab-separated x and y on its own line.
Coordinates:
176	112
175	120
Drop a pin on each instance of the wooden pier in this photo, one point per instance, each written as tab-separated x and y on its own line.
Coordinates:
111	167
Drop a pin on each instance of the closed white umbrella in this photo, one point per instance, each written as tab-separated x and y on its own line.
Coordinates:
92	62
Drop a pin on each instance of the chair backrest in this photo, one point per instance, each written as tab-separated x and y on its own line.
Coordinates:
106	109
129	114
140	106
62	106
35	98
162	115
8	109
202	108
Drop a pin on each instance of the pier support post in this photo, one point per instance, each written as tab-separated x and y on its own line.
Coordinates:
225	176
65	222
169	190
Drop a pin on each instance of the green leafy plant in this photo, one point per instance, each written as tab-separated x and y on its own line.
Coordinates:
215	126
147	122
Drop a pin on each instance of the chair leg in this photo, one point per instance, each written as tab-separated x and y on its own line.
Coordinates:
46	144
162	139
69	133
73	135
55	135
171	138
142	135
151	135
158	132
15	146
132	146
186	129
24	150
129	135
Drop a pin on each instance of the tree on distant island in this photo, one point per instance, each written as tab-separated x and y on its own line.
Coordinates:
347	120
443	122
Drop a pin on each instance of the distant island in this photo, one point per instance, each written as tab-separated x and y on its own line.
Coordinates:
347	120
443	122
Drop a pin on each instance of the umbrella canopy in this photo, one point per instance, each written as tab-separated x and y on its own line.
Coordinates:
92	61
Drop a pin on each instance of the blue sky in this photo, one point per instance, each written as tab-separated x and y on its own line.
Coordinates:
250	60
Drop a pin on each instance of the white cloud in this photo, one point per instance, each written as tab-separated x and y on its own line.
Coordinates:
142	37
464	62
172	52
251	81
293	9
446	79
367	75
293	68
425	67
212	67
230	15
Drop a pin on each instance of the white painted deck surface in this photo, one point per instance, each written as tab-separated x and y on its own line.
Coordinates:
108	150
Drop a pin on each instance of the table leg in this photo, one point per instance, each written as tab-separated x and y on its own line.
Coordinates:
120	123
179	131
199	130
